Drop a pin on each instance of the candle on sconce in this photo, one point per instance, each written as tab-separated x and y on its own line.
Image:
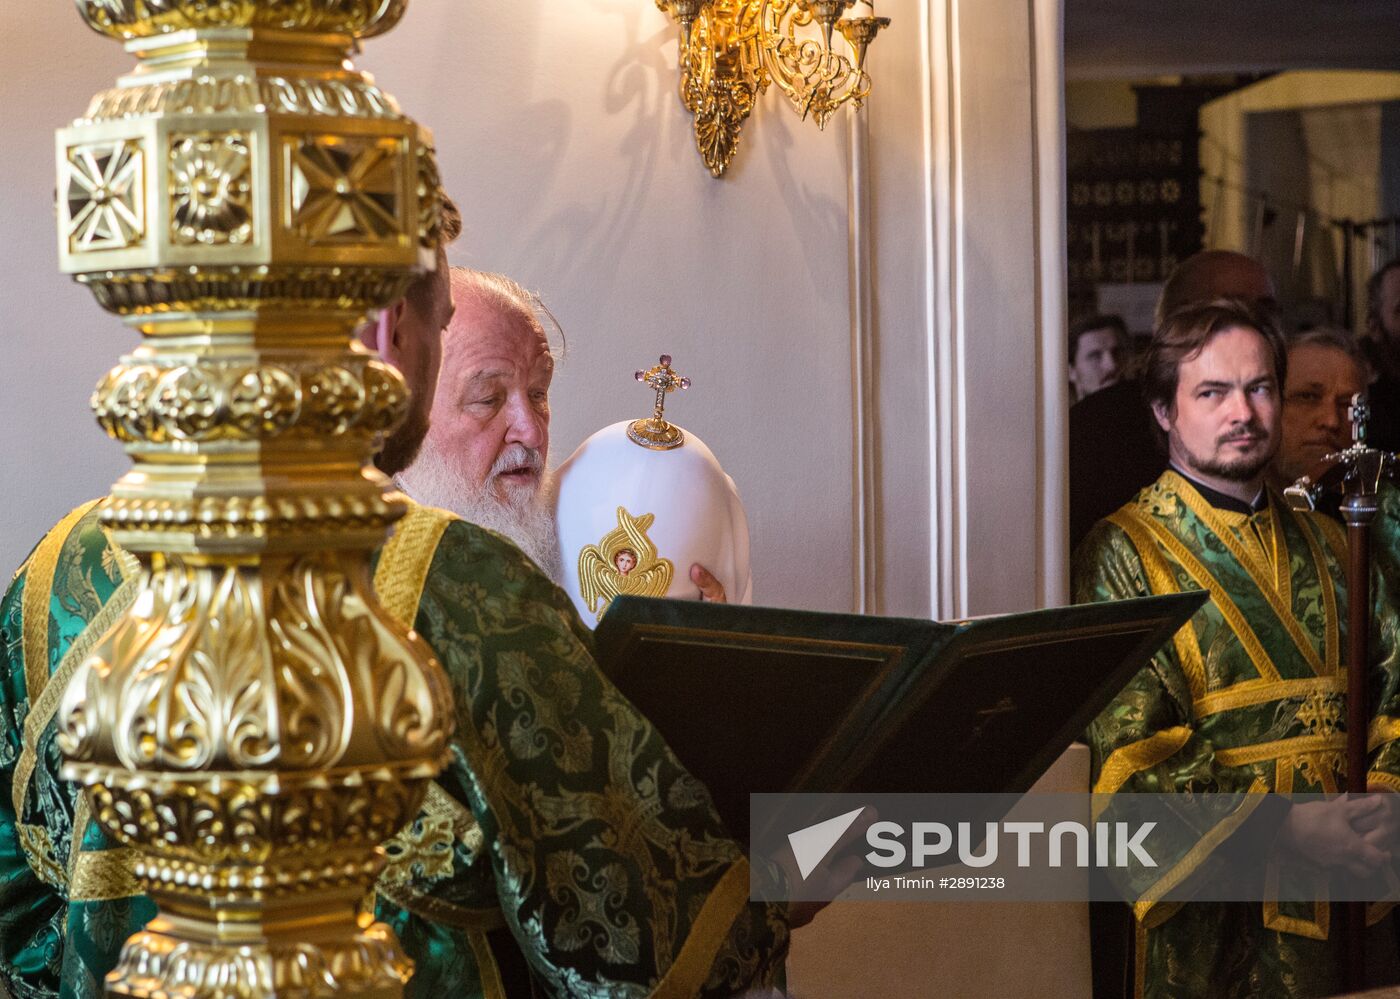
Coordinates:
863	8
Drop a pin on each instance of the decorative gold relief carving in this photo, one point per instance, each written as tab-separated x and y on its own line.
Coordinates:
255	724
238	400
172	289
104	186
369	965
144	18
345	189
353	97
211	181
217	670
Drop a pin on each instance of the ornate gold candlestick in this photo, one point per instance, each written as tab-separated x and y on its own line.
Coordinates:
255	725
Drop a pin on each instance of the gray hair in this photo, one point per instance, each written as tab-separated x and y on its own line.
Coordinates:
510	296
1335	339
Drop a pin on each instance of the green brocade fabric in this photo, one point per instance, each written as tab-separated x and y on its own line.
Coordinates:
1248	698
563	826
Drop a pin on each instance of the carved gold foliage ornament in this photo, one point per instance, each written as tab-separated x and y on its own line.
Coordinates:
731	50
624	561
256	724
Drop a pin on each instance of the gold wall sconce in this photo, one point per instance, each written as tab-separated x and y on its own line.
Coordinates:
731	50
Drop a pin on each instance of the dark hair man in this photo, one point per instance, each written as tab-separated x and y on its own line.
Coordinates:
1111	452
1098	353
1222	708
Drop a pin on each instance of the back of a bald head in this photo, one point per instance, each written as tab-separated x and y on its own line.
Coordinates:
1213	274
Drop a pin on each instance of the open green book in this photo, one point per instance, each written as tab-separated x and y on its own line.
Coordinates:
764	700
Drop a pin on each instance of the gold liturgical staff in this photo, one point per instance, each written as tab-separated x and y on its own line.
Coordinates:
731	50
1357	473
256	724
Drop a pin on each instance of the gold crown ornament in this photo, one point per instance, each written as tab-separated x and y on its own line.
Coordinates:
655	433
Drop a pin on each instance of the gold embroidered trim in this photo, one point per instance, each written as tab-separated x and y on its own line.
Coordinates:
686	976
1188	864
1384	729
1228	610
491	984
1318	928
404	563
105	875
1262	752
1283	564
1161	580
1381	779
81	814
1250	692
1259	574
41	712
38	593
40	853
439	805
1135	757
1284	770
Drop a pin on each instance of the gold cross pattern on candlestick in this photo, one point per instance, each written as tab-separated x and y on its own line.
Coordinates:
655	433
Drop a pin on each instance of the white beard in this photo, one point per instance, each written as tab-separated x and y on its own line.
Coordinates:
526	519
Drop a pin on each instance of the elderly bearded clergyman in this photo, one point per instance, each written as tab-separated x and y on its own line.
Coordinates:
580	860
486	454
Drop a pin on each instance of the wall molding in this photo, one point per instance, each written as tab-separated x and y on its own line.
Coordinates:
994	245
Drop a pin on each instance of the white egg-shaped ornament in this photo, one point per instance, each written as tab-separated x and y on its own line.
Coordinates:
642	501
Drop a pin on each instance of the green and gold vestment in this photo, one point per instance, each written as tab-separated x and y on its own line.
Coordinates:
563	819
1248	698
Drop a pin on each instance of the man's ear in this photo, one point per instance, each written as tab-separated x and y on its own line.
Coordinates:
381	334
1163	415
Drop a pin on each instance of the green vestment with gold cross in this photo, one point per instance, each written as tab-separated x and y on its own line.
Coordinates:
564	836
1249	697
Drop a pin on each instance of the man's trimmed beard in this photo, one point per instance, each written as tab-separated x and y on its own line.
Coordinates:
1241	469
526	517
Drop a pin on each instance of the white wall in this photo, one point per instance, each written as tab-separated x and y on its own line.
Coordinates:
561	137
52	454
